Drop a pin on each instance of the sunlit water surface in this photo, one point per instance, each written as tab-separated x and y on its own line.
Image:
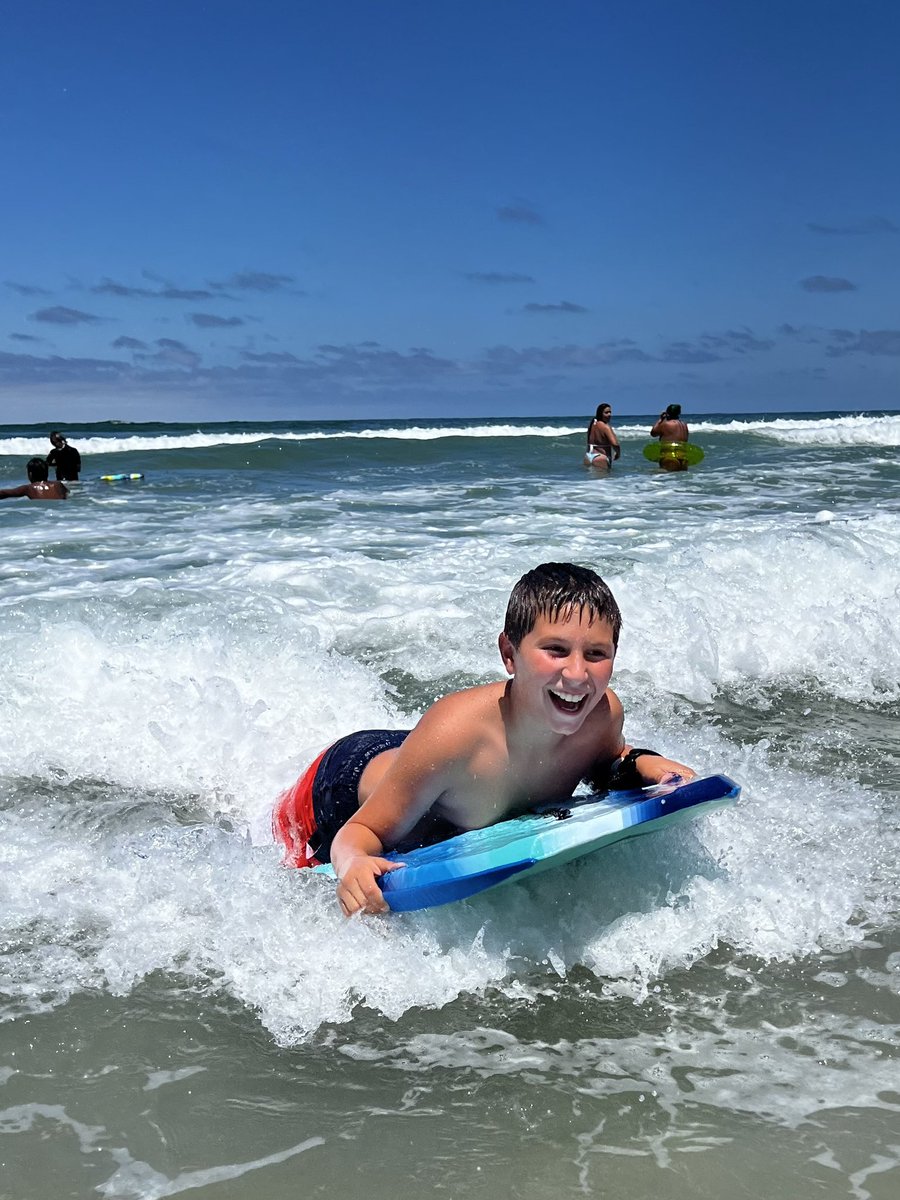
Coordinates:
707	1011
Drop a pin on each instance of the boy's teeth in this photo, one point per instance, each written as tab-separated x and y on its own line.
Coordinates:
569	697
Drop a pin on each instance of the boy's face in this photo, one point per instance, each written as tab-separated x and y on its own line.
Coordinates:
562	669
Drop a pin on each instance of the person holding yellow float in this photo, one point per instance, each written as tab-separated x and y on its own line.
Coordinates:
673	452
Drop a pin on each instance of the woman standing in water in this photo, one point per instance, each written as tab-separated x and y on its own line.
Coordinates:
602	443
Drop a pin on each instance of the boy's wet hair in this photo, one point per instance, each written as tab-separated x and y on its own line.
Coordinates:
673	411
36	469
553	589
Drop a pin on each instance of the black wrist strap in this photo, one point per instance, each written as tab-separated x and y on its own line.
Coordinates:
629	760
624	774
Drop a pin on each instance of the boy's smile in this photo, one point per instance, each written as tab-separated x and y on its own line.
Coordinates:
562	669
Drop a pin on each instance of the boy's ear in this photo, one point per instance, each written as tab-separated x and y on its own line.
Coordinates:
507	653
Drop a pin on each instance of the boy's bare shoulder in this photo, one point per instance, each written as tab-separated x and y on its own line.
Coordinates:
469	704
616	711
450	733
455	720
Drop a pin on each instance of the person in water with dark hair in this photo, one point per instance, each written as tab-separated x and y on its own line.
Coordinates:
481	754
63	457
671	431
602	443
38	486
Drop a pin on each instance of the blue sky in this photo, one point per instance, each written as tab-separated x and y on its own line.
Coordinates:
232	210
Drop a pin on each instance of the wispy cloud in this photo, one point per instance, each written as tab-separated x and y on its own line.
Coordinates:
371	361
508	360
60	315
810	336
688	352
871	225
111	287
174	293
172	353
735	341
24	337
497	277
30	368
256	281
827	283
564	306
364	370
270	357
27	289
521	213
714	347
211	321
877	342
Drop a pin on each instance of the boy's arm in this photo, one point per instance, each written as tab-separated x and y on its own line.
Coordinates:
644	766
415	779
356	858
9	493
653	767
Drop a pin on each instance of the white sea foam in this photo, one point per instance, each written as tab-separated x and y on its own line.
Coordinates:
145	443
214	699
661	1069
169	665
106	904
855	429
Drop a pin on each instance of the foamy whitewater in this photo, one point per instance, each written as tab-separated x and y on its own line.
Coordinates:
714	1003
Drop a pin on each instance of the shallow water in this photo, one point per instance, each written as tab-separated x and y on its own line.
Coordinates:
711	1009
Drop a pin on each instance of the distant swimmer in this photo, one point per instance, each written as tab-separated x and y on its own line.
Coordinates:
38	486
63	457
671	430
602	443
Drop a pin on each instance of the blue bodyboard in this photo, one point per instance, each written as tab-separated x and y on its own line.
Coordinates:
483	858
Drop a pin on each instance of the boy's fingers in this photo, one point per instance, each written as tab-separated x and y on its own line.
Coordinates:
357	898
386	865
355	894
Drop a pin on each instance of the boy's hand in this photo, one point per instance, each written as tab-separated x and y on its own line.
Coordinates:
652	768
358	889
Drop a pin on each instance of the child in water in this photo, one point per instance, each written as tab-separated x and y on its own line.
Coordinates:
38	486
480	755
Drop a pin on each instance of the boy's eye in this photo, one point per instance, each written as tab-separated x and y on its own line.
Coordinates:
594	654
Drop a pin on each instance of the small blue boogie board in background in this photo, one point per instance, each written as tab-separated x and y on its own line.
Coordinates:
556	834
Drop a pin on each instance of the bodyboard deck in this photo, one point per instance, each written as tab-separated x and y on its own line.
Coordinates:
471	862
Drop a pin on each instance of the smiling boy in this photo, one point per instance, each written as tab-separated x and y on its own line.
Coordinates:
479	755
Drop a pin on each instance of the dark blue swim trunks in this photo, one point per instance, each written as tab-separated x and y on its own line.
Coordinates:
335	791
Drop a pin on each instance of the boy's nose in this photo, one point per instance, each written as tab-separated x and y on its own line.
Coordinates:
575	667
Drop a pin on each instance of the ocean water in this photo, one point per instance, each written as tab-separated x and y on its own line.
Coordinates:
709	1011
